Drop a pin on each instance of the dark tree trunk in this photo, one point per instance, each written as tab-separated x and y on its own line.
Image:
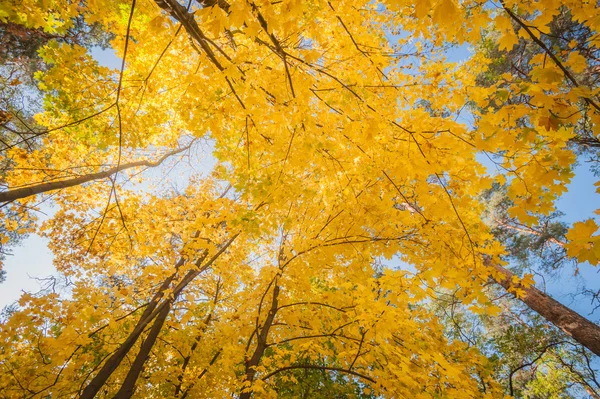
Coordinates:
128	386
572	323
153	310
24	192
261	345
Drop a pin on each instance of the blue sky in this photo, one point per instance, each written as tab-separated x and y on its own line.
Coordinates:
578	204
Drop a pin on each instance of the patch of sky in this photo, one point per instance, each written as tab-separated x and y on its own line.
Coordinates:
578	204
106	57
28	262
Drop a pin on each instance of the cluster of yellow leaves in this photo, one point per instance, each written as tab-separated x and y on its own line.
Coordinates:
342	140
330	306
583	243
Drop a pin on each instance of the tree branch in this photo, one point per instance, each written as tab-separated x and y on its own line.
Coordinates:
24	192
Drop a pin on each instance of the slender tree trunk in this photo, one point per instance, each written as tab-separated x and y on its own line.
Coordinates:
115	359
592	394
572	323
261	345
113	362
136	368
197	340
18	193
528	230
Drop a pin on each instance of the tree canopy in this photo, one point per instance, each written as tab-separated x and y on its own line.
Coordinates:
360	213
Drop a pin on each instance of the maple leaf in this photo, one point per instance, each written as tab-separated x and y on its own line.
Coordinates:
508	41
582	244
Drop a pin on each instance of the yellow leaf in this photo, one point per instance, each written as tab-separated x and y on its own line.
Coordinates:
422	8
444	13
508	41
577	62
527	280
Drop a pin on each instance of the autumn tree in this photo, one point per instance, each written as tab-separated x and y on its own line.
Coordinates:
345	195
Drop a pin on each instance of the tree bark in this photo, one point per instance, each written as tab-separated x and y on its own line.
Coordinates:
115	359
113	362
261	345
197	340
128	387
572	323
24	192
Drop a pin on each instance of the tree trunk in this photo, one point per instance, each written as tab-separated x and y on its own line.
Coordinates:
136	368
24	192
186	360
572	323
261	345
115	359
113	362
